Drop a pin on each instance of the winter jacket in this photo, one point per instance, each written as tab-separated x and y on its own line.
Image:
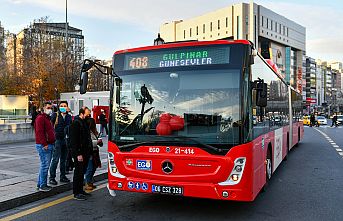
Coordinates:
81	143
44	131
96	154
60	123
102	119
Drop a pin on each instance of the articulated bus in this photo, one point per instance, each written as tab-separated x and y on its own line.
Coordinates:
207	119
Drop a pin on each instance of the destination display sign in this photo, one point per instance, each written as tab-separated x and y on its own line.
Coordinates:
177	57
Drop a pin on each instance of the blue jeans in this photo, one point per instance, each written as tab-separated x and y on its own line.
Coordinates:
45	159
90	171
102	127
59	154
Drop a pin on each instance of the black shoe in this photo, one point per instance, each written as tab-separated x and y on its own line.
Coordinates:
64	180
80	197
53	182
85	193
67	171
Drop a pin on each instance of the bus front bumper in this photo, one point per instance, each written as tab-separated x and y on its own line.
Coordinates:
199	190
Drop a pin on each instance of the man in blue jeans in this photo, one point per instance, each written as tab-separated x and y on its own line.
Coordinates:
60	120
45	138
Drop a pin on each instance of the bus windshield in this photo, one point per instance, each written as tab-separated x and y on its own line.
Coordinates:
201	104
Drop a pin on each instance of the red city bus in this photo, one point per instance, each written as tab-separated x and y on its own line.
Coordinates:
205	119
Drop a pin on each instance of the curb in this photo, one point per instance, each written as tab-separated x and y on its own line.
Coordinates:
15	202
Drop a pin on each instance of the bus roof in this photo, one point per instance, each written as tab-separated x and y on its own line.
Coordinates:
183	44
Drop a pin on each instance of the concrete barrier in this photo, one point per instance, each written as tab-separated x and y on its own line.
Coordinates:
12	133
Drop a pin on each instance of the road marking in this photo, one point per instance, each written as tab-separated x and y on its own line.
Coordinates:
337	148
45	206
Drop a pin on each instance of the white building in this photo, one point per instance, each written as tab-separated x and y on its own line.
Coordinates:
275	36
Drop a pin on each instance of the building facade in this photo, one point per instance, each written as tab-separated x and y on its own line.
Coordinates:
311	81
19	45
275	36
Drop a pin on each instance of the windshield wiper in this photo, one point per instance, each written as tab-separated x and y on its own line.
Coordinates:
207	146
123	147
180	138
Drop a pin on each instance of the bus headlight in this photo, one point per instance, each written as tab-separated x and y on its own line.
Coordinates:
112	167
236	173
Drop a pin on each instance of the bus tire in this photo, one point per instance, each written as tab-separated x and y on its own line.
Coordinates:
286	157
269	168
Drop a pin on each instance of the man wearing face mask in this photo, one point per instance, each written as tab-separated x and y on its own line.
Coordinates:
45	139
81	144
61	119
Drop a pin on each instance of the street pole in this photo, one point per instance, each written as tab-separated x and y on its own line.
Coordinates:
66	46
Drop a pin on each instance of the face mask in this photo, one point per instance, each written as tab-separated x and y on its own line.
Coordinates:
63	109
48	111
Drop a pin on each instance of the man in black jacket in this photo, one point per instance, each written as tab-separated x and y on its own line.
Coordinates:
103	123
61	120
81	151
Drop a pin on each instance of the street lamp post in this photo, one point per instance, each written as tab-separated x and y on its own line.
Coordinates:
66	46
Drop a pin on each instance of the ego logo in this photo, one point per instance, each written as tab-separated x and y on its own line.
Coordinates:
143	165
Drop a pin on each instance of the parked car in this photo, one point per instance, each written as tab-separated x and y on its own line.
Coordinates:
339	119
322	120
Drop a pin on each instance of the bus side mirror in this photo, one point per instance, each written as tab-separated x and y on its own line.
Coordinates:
83	82
261	98
261	92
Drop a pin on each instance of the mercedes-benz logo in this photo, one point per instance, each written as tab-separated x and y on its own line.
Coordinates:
167	167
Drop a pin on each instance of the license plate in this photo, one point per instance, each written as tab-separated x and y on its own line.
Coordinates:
172	190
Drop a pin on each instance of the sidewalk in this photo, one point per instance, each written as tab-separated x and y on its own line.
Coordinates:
19	166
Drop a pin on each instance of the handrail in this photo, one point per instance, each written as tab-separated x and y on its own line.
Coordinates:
4	118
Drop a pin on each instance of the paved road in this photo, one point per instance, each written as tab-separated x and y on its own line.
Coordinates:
306	187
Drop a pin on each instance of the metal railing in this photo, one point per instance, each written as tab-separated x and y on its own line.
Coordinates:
7	119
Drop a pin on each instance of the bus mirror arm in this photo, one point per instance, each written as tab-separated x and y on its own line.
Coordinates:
86	66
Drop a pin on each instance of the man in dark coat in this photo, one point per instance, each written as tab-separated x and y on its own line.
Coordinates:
334	120
103	122
81	145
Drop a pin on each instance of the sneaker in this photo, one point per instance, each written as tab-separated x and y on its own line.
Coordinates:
64	180
45	189
53	182
85	193
92	185
80	197
88	186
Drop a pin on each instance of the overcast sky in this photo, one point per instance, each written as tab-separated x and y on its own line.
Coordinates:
109	25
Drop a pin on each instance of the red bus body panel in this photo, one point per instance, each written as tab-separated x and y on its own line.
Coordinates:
202	180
